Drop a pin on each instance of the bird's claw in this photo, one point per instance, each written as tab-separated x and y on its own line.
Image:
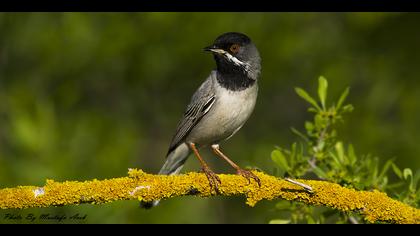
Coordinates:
249	175
214	180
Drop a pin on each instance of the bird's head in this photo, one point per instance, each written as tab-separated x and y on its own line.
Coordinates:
235	52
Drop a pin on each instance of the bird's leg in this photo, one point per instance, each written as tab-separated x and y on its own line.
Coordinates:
245	173
214	180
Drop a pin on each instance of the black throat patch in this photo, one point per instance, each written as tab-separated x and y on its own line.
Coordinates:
234	81
232	77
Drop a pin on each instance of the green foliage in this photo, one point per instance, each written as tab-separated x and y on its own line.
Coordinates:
322	155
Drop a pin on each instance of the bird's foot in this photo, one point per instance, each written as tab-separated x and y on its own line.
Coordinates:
249	175
214	180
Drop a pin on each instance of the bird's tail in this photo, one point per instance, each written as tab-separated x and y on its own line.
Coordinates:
173	165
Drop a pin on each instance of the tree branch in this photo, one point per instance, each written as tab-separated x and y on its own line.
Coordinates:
375	206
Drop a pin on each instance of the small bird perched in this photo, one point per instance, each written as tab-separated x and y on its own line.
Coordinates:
219	108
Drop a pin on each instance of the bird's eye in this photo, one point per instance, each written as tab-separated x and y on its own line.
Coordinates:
234	48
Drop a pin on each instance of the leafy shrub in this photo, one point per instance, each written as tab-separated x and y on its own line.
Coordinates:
320	154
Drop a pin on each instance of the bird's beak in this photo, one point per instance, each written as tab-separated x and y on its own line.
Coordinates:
227	55
214	49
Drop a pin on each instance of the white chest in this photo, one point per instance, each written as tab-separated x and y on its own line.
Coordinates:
233	108
227	115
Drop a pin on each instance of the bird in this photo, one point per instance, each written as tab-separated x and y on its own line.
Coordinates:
218	108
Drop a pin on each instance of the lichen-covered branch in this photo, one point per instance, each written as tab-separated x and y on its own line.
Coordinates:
375	206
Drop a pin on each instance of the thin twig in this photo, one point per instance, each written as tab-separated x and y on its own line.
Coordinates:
312	160
306	187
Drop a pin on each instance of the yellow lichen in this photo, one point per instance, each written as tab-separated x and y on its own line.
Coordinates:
373	205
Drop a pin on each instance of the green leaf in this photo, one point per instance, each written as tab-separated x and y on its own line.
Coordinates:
322	90
320	173
348	108
278	157
309	126
300	156
319	121
351	155
407	173
336	160
279	221
340	151
343	98
303	94
373	168
293	155
311	109
397	171
298	133
387	165
416	179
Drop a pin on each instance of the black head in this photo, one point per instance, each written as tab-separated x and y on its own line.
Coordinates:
236	53
226	40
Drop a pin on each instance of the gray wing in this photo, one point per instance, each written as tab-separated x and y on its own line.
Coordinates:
200	104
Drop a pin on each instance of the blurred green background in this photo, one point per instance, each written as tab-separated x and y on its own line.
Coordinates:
89	95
